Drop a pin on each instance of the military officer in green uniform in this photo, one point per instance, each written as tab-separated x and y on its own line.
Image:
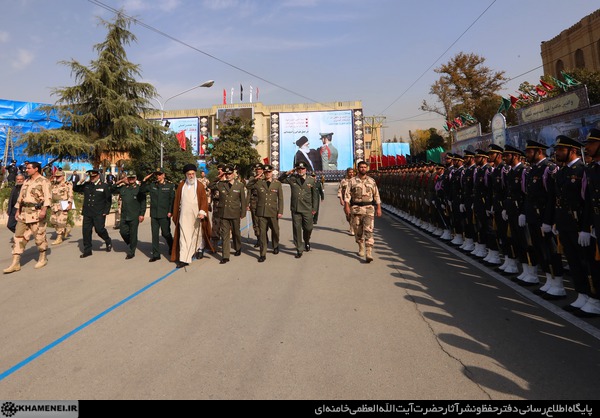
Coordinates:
162	195
133	209
232	207
269	208
303	205
253	199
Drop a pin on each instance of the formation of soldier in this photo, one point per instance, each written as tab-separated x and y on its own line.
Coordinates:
515	210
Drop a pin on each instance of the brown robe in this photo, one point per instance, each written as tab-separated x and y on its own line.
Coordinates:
202	205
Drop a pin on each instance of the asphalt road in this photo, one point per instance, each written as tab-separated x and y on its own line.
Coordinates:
423	321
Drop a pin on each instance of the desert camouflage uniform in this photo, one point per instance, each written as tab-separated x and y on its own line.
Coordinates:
34	195
61	192
363	195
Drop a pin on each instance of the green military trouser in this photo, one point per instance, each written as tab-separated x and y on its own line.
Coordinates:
160	225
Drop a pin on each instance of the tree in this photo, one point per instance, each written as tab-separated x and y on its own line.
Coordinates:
145	160
103	113
591	79
235	145
465	86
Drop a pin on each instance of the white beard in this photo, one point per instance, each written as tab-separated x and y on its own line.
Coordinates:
190	182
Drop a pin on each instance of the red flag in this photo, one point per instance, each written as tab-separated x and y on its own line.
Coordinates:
224	96
266	160
392	160
513	100
202	139
540	91
458	122
401	159
372	162
547	86
181	140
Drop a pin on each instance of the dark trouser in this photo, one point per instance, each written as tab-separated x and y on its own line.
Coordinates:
265	224
231	228
518	240
11	223
97	224
594	257
129	233
457	218
255	222
481	223
576	256
501	231
302	229
468	220
160	225
544	247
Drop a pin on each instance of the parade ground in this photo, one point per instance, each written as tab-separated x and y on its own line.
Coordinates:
422	321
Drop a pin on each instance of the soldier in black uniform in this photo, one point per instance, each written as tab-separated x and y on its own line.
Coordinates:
466	203
455	199
539	213
497	238
162	196
569	218
480	195
133	209
591	307
11	171
97	199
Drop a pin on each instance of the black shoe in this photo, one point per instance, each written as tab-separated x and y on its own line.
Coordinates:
84	255
570	308
129	256
153	259
237	253
108	247
256	244
224	260
276	250
261	258
199	254
181	264
307	246
298	254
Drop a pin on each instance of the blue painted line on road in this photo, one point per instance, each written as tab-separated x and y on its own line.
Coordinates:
81	327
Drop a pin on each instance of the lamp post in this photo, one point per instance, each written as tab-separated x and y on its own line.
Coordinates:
208	83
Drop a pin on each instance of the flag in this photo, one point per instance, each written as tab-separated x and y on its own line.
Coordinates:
231	96
241	93
257	94
250	93
505	105
513	100
224	96
547	86
202	139
266	160
570	80
458	122
540	91
181	140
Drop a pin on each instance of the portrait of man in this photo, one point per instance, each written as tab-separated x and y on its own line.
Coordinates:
308	156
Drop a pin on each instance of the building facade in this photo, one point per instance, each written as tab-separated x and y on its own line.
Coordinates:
575	47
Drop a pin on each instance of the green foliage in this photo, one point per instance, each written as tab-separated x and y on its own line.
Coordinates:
591	79
4	195
102	113
145	161
235	145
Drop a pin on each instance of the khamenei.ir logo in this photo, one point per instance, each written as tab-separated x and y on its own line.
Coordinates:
8	409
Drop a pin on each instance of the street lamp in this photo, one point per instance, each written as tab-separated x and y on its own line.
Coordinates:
208	83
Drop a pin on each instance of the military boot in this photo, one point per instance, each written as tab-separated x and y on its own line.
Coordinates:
361	249
58	240
42	260
15	266
369	254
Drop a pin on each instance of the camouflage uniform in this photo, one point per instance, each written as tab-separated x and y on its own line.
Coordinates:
362	195
343	185
61	192
34	195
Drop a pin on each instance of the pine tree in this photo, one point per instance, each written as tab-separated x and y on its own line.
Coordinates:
103	113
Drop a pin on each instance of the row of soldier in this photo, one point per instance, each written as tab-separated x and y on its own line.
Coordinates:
187	205
516	210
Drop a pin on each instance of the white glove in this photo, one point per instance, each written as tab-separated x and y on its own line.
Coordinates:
492	210
443	206
584	239
462	207
504	215
554	230
546	228
427	202
488	212
522	221
593	234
